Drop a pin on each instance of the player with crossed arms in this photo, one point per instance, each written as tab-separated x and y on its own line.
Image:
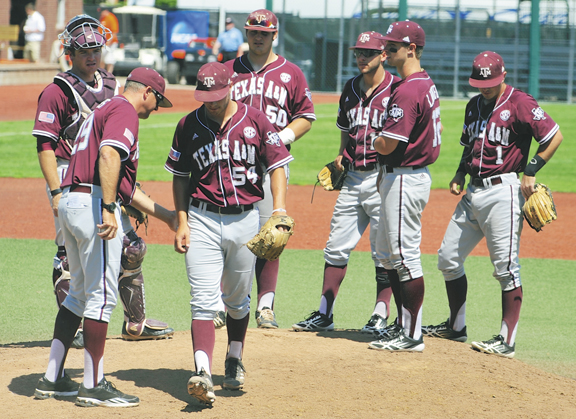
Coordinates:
499	124
101	177
409	142
361	115
62	107
277	87
217	159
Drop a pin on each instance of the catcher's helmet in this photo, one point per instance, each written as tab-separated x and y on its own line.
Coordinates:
84	32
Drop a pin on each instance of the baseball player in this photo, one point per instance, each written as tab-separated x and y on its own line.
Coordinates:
408	143
100	177
62	107
499	125
278	88
217	157
361	115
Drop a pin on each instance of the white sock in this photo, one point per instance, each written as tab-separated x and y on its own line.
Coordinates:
57	352
89	368
235	350
202	361
381	309
267	300
460	321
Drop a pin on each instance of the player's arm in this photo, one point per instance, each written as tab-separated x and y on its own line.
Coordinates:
146	204
385	145
344	139
295	130
49	167
278	185
109	170
457	183
543	155
181	200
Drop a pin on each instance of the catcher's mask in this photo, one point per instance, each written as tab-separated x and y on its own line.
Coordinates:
83	32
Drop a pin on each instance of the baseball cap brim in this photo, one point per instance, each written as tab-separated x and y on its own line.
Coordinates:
486	84
211	96
164	103
260	28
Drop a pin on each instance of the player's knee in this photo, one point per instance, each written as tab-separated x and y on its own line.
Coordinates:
507	281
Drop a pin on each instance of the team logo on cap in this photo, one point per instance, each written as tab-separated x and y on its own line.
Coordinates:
285	77
260	18
364	37
395	112
249	132
538	114
505	115
208	82
485	71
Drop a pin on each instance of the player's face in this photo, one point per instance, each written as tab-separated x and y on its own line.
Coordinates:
150	104
491	93
260	42
368	60
85	62
396	52
217	110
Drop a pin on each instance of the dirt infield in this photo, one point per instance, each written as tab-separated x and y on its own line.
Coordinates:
306	375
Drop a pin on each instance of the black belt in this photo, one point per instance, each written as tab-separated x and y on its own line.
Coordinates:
81	188
481	182
367	168
390	169
235	209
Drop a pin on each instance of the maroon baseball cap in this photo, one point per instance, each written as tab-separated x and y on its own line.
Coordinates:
262	20
212	83
150	77
407	32
370	40
487	70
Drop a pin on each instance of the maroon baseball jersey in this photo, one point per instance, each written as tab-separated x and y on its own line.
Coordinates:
414	120
279	90
114	123
500	132
362	118
58	109
225	164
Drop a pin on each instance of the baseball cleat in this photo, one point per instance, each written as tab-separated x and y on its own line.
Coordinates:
78	342
104	394
444	331
63	387
220	319
400	343
200	387
389	332
234	374
497	346
266	319
376	322
148	333
316	322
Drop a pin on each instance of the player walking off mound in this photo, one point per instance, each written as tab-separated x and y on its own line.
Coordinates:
361	115
277	87
217	159
409	142
101	176
62	107
499	125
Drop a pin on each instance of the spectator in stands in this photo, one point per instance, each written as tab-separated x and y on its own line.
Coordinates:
229	42
34	29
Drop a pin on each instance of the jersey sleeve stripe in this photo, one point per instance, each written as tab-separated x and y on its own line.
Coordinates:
342	128
40	133
395	136
124	151
281	163
305	115
549	136
175	172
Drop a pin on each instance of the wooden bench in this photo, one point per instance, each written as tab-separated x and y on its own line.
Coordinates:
8	33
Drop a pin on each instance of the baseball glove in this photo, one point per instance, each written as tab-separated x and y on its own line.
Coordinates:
539	208
139	216
270	242
331	178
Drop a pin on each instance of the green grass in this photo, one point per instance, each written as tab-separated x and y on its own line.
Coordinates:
28	305
318	147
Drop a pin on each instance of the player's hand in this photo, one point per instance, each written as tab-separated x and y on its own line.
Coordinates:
338	162
182	239
55	202
457	183
109	226
527	186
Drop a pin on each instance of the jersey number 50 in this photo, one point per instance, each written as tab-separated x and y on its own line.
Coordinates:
277	116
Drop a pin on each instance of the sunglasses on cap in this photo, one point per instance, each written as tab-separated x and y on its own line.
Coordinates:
368	53
264	23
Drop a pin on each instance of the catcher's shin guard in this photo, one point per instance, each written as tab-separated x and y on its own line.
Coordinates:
131	290
61	276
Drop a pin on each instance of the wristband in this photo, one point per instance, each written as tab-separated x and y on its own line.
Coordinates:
55	192
535	164
287	136
278	210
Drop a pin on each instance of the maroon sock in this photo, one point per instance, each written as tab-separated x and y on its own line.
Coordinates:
456	291
237	328
412	298
397	291
383	289
203	337
333	277
511	304
94	342
267	276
